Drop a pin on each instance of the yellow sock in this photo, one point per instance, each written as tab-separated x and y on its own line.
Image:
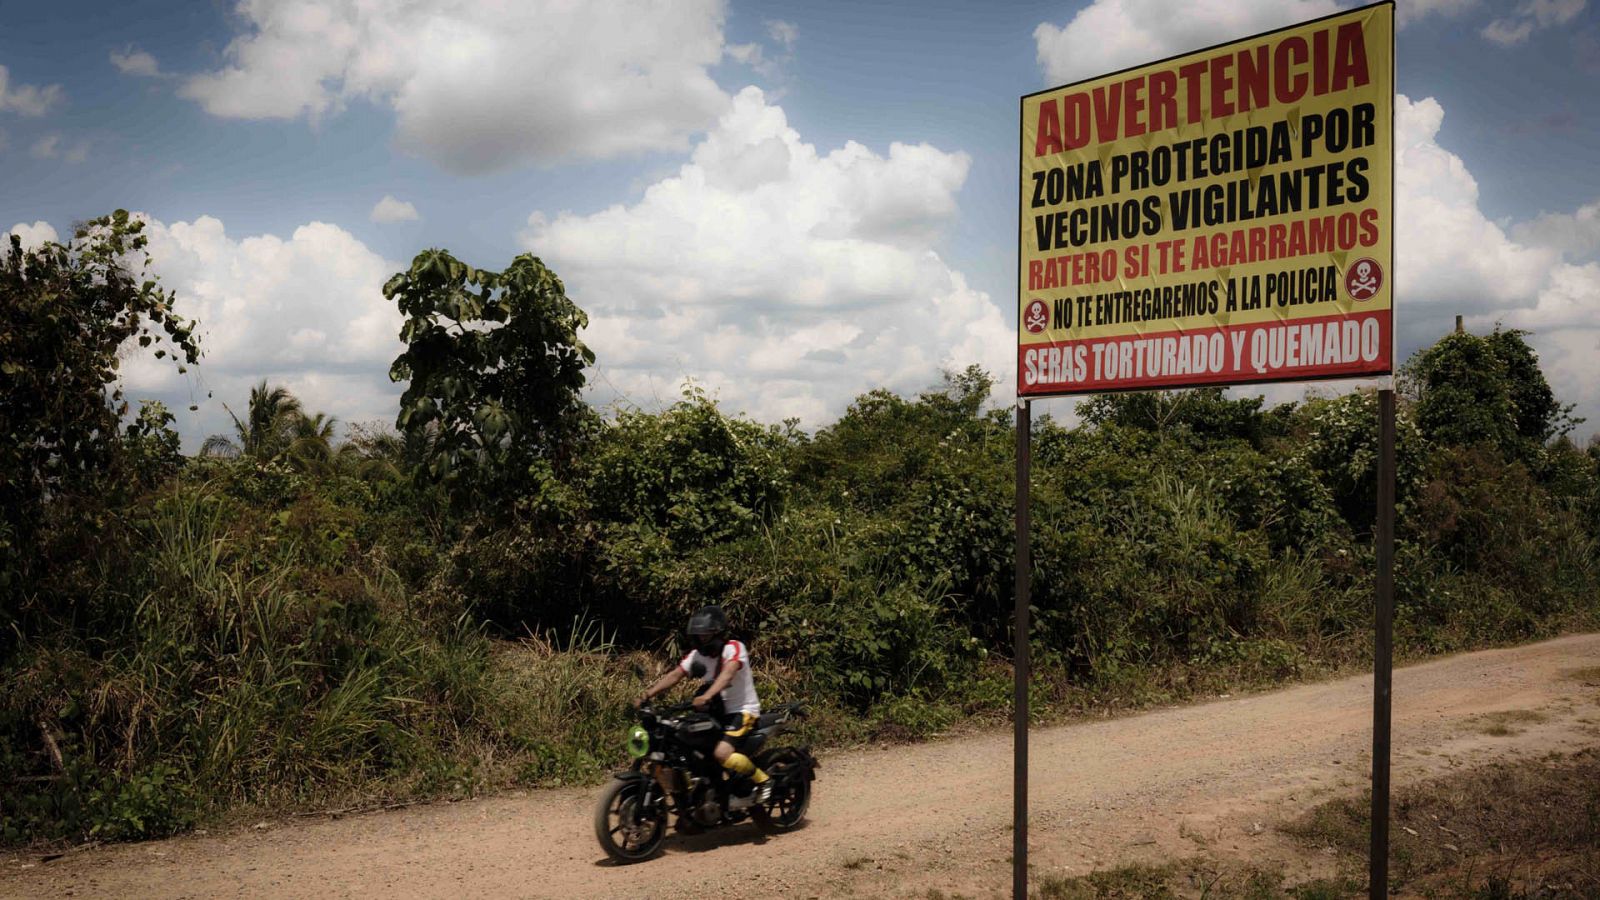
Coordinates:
739	764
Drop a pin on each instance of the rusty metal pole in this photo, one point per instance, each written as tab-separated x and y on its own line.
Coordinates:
1383	647
1019	701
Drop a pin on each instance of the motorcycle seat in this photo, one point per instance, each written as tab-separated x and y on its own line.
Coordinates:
777	715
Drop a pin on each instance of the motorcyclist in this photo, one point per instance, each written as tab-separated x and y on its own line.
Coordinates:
724	667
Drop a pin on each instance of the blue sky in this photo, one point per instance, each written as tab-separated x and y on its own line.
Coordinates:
874	266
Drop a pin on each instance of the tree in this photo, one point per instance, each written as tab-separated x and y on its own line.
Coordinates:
312	448
495	369
270	425
67	315
1462	393
1539	417
1472	391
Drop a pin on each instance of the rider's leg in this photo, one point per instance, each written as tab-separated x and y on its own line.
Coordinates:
737	762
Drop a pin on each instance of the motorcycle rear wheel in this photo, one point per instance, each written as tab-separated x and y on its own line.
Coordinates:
625	831
787	808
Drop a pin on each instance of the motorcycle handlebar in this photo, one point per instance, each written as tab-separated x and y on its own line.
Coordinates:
674	709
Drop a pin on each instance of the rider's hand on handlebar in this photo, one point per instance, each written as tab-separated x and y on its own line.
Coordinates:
702	701
641	700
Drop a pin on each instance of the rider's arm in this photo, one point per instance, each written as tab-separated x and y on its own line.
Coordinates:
721	682
663	684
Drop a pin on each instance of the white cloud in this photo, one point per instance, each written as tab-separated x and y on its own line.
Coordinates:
390	210
34	235
785	279
1447	250
785	33
133	61
1576	234
1452	259
1534	15
482	86
1108	35
50	147
306	311
27	99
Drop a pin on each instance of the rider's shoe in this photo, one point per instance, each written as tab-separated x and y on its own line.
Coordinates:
763	793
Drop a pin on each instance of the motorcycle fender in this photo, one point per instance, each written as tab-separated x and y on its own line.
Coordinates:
632	775
797	757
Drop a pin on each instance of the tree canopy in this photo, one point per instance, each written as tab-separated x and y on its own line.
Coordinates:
67	311
494	369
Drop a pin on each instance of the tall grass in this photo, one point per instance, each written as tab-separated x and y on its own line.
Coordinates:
249	676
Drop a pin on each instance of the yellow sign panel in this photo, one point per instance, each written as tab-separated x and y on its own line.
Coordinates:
1222	217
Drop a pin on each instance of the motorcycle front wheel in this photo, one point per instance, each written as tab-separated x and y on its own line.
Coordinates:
627	833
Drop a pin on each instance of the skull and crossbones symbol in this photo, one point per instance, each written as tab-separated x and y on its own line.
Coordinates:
1037	317
1365	281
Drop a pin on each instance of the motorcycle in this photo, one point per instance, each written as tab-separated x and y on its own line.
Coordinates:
674	772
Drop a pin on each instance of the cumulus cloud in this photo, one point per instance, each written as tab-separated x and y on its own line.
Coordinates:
35	235
1108	35
390	210
785	279
1447	251
133	61
27	99
306	311
1452	259
1534	15
478	87
1576	234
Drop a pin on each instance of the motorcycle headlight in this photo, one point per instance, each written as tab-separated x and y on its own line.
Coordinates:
638	742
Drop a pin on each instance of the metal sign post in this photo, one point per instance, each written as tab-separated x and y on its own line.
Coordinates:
1383	650
1019	701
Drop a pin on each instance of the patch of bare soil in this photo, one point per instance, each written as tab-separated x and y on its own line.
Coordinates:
1219	778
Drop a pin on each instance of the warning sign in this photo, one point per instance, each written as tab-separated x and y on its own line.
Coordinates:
1221	217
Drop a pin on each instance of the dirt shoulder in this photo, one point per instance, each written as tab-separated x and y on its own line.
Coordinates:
1219	777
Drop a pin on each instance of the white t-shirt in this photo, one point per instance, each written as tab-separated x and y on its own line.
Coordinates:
740	695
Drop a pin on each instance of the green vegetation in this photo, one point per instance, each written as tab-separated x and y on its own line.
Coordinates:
469	599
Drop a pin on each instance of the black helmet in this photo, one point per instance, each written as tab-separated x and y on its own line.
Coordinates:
708	628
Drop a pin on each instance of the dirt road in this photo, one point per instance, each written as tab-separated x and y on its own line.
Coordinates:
902	821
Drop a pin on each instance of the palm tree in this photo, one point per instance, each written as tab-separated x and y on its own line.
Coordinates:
268	429
312	447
